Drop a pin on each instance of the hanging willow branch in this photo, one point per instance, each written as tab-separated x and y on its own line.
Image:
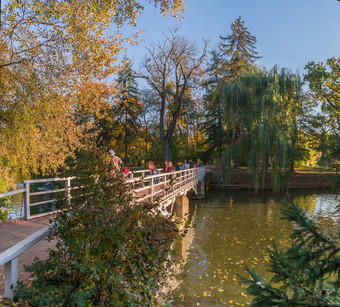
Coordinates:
261	112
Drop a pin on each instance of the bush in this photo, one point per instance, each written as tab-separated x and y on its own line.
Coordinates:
110	251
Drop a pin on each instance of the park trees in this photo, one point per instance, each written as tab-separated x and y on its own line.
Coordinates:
126	109
236	55
149	126
171	69
324	85
261	111
238	50
55	62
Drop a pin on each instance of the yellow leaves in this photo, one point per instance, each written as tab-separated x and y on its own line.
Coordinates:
65	55
135	215
171	7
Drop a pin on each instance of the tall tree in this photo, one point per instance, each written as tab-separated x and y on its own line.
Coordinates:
236	54
238	50
172	68
149	119
127	107
324	84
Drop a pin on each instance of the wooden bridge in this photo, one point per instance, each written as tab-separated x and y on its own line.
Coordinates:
39	205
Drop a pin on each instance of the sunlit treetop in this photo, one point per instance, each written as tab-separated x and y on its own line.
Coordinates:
57	59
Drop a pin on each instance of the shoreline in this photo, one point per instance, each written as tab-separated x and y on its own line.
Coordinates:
241	180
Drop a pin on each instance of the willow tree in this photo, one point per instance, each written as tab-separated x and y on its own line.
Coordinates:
264	106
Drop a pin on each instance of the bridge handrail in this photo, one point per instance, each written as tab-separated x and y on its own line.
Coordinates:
26	191
142	177
19	248
11	193
9	258
180	180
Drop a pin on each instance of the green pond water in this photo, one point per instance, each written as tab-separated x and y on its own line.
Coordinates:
233	228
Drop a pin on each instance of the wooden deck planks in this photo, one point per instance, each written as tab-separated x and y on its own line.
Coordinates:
14	231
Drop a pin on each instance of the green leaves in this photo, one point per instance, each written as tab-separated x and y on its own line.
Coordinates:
306	274
324	84
110	249
260	112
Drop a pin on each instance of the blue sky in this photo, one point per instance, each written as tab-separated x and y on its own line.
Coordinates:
289	33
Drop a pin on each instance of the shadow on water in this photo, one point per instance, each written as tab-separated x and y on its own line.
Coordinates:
231	229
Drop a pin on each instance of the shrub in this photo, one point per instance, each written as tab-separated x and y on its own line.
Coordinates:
110	251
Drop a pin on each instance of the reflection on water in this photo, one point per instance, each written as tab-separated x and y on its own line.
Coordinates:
232	229
16	202
16	206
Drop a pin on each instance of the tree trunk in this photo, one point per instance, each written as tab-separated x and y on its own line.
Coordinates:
146	140
125	138
167	150
187	142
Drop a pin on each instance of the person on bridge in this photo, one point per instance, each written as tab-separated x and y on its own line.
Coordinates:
48	186
171	167
116	161
165	167
153	170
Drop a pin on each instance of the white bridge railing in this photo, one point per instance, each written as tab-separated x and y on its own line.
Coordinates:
40	201
163	187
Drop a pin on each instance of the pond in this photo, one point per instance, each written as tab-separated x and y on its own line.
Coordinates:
231	229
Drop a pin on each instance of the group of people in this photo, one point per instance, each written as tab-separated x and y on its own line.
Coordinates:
168	166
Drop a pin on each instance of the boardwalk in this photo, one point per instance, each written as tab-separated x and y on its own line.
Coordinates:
12	232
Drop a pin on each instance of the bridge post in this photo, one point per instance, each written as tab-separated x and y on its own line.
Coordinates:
27	213
200	189
68	191
11	277
152	188
181	207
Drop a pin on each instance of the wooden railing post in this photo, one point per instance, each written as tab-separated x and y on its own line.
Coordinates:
152	188
27	213
11	277
68	191
9	258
